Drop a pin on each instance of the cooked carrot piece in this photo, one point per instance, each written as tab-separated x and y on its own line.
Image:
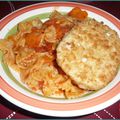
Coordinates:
32	39
78	13
58	68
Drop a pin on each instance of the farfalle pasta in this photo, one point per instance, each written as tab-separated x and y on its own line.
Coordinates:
32	53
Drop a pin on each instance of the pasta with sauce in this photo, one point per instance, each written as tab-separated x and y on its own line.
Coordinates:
32	53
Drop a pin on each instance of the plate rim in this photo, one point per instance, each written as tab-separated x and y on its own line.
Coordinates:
53	113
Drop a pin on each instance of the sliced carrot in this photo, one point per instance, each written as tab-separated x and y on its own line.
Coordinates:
33	38
78	13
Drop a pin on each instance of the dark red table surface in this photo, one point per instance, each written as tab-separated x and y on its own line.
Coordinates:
8	110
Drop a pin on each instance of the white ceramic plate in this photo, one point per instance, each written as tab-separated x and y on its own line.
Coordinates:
17	93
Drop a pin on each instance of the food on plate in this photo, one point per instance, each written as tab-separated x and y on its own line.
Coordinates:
78	13
32	53
66	56
90	54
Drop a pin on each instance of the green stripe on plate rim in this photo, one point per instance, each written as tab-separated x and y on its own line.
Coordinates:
7	70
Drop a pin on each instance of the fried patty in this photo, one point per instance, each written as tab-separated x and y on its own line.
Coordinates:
90	54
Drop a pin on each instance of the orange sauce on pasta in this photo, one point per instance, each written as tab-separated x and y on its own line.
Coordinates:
34	46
